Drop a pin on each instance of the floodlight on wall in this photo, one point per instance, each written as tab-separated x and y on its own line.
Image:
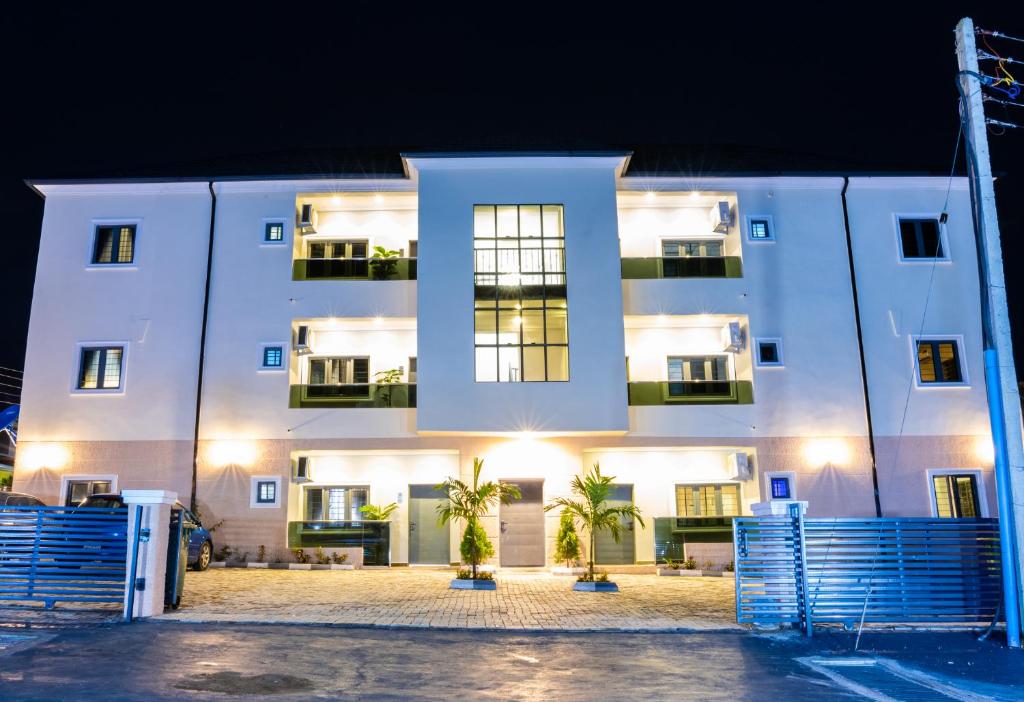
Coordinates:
232	453
36	456
827	453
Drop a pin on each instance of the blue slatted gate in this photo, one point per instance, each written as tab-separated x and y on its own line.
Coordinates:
847	570
63	554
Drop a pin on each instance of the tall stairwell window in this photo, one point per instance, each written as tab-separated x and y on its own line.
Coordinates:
521	312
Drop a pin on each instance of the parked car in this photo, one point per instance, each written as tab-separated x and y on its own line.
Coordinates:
19	499
200	544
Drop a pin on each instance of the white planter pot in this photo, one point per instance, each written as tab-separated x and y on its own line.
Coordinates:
680	573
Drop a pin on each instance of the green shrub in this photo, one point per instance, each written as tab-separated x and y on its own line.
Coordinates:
321	556
672	565
301	556
567	543
467	574
690	563
593	578
339	558
475	547
261	554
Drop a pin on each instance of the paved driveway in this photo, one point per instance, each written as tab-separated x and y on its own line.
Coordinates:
421	598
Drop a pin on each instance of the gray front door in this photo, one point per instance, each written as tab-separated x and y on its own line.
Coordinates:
608	552
522	526
428	542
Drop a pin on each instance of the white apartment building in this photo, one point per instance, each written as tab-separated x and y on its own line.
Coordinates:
712	342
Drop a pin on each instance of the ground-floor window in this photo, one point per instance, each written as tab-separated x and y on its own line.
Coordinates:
956	495
335	503
712	500
78	490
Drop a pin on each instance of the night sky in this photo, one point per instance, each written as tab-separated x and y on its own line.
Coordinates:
842	86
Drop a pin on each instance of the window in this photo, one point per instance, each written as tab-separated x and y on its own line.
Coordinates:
780	488
78	490
273	233
412	369
769	352
920	239
339	371
414	247
114	244
266	491
691	249
344	249
712	500
339	503
760	228
100	368
698	368
273	357
956	495
521	312
938	361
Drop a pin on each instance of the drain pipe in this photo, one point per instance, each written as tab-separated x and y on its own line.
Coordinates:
860	349
202	346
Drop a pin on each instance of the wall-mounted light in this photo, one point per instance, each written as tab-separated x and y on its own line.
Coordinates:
694	194
232	453
822	453
36	456
650	196
378	199
985	451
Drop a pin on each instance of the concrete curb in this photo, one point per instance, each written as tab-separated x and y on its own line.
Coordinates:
284	566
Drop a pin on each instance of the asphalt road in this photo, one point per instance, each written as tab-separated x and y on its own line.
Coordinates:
168	661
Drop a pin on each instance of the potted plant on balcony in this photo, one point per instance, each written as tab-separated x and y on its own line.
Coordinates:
591	509
383	263
567	547
385	379
470	503
377	513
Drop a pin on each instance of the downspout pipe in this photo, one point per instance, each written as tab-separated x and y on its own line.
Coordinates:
860	349
202	345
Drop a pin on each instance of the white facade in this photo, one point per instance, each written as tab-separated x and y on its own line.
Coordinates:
645	346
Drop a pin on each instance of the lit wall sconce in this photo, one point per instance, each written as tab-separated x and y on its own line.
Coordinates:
36	456
985	451
232	453
827	453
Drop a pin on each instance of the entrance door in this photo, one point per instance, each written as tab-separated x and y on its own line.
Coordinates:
522	526
428	542
607	551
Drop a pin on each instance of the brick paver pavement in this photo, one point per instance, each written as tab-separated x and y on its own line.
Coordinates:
420	598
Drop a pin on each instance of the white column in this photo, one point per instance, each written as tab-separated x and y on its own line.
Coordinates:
151	564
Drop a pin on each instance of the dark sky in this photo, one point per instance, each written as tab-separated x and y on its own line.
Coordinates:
96	91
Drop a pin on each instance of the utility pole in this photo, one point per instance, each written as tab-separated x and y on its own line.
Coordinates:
1000	374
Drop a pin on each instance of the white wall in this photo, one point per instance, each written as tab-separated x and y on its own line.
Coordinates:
154	306
450	400
651	340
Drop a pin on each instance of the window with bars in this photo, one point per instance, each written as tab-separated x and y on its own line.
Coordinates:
273	358
711	500
336	503
938	361
340	370
761	229
521	312
114	244
266	492
921	239
692	249
273	233
956	496
100	368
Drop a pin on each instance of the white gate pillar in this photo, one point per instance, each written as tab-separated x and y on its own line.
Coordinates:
151	564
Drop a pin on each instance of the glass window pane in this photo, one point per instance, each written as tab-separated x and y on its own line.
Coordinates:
529	221
126	245
949	362
713	248
509	324
486	327
112	369
486	364
558	363
943	503
483	221
533	363
966	496
670	249
317	371
89	375
932	247
531	260
532	326
509	369
104	245
552	216
557	324
925	362
675	370
719	368
730	500
508	220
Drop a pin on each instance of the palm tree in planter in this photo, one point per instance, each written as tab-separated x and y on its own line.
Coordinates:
469	503
589	506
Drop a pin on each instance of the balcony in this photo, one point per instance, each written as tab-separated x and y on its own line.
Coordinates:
354	269
353	395
691	392
373	537
682	267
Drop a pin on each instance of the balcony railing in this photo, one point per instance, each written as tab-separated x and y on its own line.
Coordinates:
354	269
682	267
373	537
354	395
672	533
696	392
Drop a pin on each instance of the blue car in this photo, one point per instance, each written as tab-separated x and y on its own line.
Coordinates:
200	544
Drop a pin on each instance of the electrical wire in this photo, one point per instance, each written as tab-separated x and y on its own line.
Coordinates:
998	35
986	56
1000	64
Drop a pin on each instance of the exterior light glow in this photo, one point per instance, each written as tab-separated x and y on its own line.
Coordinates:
36	456
827	452
378	199
378	320
985	452
336	200
650	195
232	453
694	194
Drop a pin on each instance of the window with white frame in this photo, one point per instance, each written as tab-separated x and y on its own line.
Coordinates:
780	486
77	490
955	495
339	370
921	239
336	502
769	352
114	244
266	491
272	357
938	361
683	248
698	368
710	500
100	368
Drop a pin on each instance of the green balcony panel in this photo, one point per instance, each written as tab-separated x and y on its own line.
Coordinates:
724	392
373	537
671	534
355	396
354	269
682	267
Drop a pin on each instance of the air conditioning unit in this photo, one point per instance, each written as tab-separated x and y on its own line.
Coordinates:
301	472
732	337
308	219
739	466
302	339
721	217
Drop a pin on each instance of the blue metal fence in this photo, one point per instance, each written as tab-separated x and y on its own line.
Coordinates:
849	570
63	554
